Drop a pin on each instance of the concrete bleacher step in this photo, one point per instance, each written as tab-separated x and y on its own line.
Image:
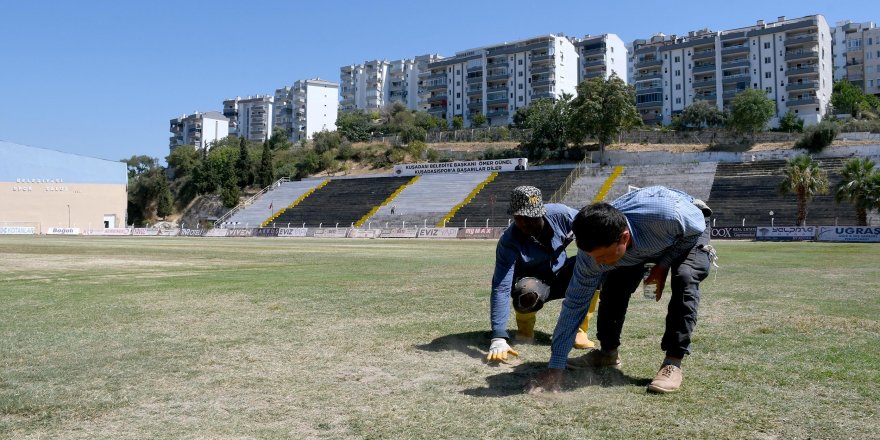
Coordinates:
274	200
428	199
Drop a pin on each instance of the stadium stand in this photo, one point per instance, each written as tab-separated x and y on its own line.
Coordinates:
269	203
426	201
692	178
341	201
491	203
749	190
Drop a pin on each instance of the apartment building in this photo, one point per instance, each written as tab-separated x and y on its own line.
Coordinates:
600	56
789	59
857	55
497	80
198	129
307	107
250	117
377	84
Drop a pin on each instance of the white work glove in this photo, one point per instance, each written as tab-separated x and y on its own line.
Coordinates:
498	350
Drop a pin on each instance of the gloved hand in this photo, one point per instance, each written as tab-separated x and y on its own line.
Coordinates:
498	350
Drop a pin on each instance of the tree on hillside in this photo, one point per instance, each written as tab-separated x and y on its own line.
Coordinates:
602	109
850	99
267	173
804	178
750	111
146	186
229	192
354	126
138	165
164	199
478	120
857	187
791	123
701	114
425	120
279	139
457	122
243	166
182	160
547	120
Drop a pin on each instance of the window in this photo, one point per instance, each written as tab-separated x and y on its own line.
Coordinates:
678	87
678	73
457	72
520	99
768	75
458	106
768	60
519	61
458	94
678	100
767	45
677	59
458	83
520	86
519	74
769	90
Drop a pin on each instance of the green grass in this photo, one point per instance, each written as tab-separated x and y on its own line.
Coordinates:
274	338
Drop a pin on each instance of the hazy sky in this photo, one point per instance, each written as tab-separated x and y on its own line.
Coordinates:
103	78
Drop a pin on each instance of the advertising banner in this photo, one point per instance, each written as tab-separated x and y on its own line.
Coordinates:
216	232
331	232
191	232
471	166
734	233
783	233
16	230
239	232
438	233
363	233
63	231
144	231
292	232
109	231
480	232
851	234
399	233
168	232
265	232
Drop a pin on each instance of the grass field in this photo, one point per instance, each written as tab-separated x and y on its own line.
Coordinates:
303	338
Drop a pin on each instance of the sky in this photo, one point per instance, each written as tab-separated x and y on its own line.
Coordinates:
104	78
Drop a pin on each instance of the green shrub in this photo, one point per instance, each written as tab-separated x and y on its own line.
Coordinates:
790	123
817	137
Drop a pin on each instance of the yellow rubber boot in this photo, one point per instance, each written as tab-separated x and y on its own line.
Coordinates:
581	341
525	327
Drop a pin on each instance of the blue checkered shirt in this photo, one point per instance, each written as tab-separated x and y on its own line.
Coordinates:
663	223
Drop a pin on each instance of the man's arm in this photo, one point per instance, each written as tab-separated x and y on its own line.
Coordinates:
581	289
502	281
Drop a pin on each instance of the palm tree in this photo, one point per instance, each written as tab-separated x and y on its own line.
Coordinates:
804	178
856	187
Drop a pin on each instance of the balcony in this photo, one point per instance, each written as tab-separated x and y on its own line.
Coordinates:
497	65
543	95
475	105
735	78
734	49
437	110
542	69
649	104
802	39
491	90
647	76
801	54
802	70
437	99
712	97
475	79
497	101
810	100
805	85
704	68
655	89
647	63
732	92
475	69
703	54
599	51
540	58
437	86
542	82
704	83
594	74
734	63
493	113
497	77
475	91
433	76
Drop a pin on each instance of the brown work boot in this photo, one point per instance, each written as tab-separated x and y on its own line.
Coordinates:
667	380
593	359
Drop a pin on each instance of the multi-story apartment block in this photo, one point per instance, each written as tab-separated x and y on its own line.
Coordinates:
198	129
307	107
857	55
497	80
600	56
377	84
789	59
250	117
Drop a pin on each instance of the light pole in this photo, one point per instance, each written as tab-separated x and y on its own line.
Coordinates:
771	219
68	215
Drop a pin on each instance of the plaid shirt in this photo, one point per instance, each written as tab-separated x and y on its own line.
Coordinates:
516	250
663	223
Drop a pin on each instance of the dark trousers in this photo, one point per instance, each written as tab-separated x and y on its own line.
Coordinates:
687	271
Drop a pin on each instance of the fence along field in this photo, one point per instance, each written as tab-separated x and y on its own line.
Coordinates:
138	337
